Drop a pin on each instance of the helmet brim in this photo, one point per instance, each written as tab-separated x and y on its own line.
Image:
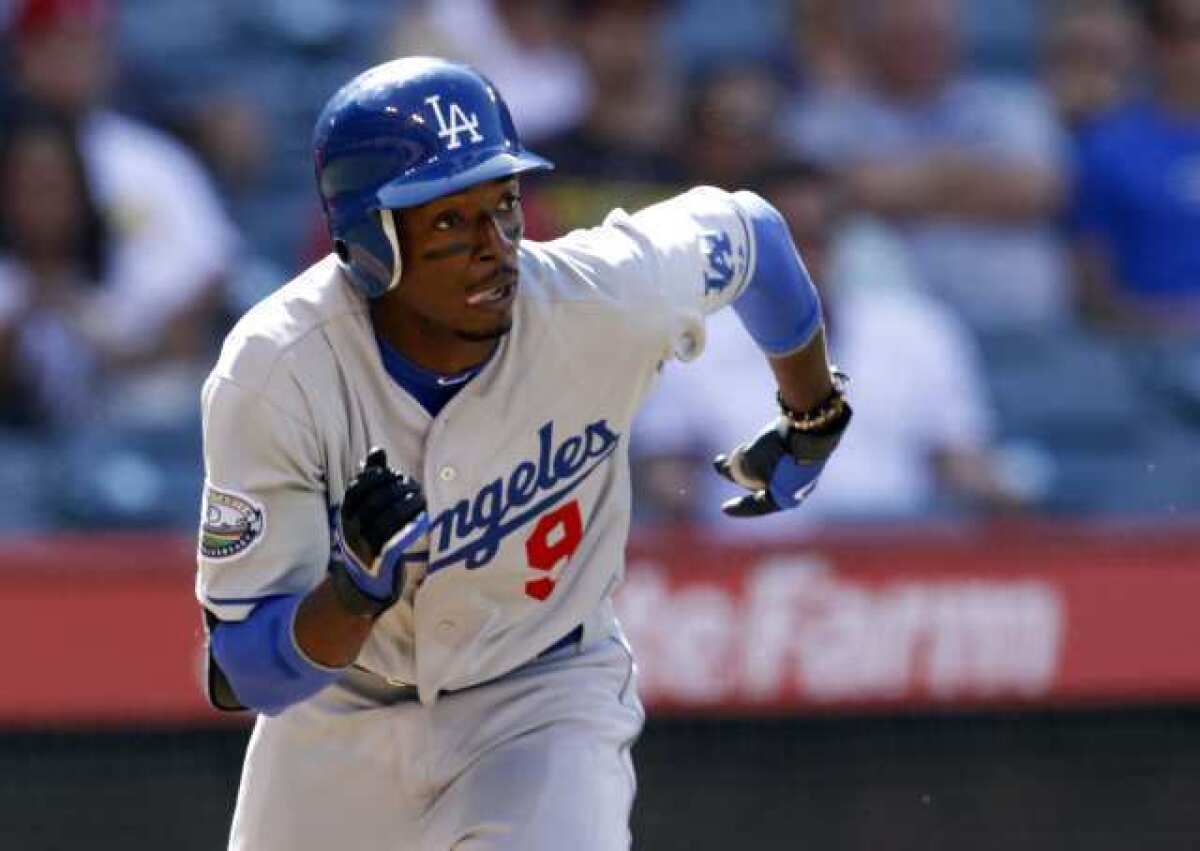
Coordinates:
406	192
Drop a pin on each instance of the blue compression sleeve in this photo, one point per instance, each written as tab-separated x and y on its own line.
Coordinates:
259	657
779	305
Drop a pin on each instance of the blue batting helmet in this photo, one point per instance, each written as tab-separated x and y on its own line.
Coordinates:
401	134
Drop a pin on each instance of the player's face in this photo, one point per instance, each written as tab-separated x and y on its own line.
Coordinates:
459	281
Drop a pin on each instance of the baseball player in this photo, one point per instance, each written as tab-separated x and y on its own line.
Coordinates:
417	493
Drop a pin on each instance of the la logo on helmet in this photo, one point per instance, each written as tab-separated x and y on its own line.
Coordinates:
460	122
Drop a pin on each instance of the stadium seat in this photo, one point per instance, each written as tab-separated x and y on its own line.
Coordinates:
1152	481
130	478
24	483
1171	368
1062	386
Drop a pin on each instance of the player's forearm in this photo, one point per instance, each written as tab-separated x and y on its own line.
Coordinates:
804	377
289	648
326	632
263	661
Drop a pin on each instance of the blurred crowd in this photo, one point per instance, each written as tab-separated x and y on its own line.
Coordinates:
998	199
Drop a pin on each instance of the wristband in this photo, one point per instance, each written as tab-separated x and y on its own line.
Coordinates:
827	412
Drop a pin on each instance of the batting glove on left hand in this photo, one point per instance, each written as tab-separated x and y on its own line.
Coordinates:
381	519
780	466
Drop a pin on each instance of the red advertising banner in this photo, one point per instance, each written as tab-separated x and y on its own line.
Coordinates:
105	629
101	629
1014	616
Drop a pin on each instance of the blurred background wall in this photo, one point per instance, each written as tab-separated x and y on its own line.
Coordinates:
981	630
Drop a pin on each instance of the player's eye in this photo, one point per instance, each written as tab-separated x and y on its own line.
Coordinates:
446	221
509	202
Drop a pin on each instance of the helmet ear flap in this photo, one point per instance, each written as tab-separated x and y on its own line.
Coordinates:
390	223
369	252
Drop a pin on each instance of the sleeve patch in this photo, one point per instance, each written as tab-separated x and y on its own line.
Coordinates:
232	524
723	262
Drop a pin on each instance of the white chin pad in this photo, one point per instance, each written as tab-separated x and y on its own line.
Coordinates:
387	218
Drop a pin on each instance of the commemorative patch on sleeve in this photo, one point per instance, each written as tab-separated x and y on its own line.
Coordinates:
232	523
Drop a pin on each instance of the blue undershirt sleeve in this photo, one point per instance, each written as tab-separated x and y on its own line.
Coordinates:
260	658
779	305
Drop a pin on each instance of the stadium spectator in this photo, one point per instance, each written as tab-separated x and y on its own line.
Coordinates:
823	45
920	441
1137	210
522	45
242	83
730	128
620	155
968	170
171	243
1090	57
53	263
699	32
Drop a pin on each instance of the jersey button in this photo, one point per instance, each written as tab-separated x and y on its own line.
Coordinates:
447	474
446	627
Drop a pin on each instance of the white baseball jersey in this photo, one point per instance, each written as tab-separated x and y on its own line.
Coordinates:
525	470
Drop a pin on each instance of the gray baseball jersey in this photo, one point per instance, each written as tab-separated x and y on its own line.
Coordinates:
526	477
525	470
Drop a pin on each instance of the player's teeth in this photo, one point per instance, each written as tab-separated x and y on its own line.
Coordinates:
494	294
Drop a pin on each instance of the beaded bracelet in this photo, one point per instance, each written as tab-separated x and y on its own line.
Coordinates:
823	414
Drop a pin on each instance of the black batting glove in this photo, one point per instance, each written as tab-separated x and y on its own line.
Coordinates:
381	522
